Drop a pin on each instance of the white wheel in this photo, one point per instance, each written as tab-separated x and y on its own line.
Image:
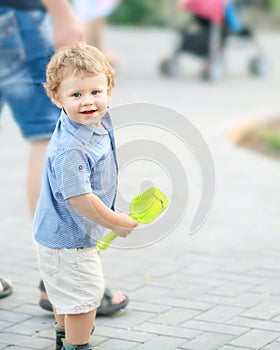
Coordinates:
259	66
169	67
213	72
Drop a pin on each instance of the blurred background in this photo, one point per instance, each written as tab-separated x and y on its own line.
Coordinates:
159	13
226	83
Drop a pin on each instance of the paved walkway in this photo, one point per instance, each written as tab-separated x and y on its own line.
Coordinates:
218	289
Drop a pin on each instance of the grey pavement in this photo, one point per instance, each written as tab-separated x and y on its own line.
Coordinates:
217	289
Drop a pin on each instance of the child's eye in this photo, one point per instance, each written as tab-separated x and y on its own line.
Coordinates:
95	92
76	94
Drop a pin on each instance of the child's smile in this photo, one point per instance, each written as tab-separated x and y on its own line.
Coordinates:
84	99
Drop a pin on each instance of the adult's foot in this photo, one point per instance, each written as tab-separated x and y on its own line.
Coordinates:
110	303
6	288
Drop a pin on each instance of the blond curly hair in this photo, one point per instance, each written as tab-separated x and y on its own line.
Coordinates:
79	60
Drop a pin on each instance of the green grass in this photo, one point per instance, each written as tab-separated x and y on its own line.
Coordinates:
272	138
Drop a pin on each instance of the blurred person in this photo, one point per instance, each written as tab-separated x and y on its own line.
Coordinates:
79	201
25	50
216	20
27	42
218	11
94	13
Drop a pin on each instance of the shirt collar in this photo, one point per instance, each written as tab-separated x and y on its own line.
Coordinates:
83	132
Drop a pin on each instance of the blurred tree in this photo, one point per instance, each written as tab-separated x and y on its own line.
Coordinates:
163	12
274	5
143	12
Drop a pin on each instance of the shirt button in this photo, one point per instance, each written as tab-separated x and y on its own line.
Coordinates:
80	167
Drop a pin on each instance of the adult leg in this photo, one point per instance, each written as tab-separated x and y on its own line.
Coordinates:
35	169
95	36
111	302
94	31
6	288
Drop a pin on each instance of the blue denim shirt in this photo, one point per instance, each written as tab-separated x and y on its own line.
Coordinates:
80	159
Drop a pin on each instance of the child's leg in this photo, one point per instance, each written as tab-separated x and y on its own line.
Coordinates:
59	329
79	327
60	319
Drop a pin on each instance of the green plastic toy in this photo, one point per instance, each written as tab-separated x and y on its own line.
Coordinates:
144	208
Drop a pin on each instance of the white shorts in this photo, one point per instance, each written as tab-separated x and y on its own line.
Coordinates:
73	278
90	10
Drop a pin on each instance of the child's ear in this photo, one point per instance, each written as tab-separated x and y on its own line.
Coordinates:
109	93
55	100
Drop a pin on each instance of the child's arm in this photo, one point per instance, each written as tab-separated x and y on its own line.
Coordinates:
90	206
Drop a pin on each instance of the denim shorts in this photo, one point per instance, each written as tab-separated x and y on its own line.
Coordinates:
73	278
25	50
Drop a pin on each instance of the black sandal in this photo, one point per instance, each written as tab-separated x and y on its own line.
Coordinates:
106	307
7	289
45	304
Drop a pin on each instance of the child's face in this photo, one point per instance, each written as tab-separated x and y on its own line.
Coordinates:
84	99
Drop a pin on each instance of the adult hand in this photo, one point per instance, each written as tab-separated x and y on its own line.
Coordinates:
68	29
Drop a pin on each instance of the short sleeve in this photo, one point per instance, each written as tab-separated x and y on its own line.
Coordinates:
72	172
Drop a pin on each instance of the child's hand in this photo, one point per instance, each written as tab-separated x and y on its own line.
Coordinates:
125	225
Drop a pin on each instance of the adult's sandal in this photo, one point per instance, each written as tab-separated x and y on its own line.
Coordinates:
7	288
106	308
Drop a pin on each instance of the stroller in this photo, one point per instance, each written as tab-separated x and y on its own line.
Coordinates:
211	24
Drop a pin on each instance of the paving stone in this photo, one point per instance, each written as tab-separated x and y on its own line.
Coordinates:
117	345
147	293
29	327
4	325
207	341
19	348
3	346
185	290
194	292
148	307
196	279
255	339
231	289
30	309
161	343
229	347
12	316
276	319
203	268
265	311
235	277
175	316
136	335
215	327
12	339
245	300
38	343
243	265
129	320
184	303
254	323
273	346
220	313
171	331
267	272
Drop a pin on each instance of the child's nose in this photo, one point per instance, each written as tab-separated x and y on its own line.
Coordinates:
89	99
